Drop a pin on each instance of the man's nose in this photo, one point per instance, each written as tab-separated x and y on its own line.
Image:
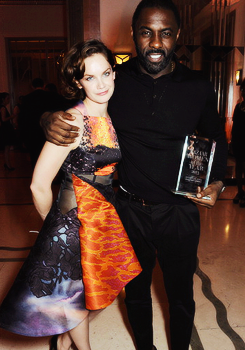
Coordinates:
156	40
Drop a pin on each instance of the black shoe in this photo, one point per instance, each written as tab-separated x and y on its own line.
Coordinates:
238	197
242	202
53	342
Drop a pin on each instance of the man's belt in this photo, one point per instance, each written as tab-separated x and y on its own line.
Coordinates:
133	197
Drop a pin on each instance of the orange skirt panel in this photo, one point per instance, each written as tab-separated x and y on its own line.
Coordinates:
107	256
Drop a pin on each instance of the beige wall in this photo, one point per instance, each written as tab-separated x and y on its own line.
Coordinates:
115	24
28	21
49	21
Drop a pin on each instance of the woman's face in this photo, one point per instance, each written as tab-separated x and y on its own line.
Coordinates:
98	79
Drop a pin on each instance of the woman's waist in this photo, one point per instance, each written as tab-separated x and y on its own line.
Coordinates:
101	179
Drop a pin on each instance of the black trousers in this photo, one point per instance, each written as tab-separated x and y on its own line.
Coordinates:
169	233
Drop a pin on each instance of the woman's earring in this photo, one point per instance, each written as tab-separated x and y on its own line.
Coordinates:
78	84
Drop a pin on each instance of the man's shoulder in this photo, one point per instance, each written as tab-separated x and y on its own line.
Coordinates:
186	73
194	80
127	67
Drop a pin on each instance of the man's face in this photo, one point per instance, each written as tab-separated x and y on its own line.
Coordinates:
155	35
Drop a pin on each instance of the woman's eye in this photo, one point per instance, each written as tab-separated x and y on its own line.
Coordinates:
89	78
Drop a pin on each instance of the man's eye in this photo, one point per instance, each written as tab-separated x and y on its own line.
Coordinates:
146	33
166	34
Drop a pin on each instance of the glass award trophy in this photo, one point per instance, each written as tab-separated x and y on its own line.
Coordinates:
195	166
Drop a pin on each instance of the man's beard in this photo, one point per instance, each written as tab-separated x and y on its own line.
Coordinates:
154	67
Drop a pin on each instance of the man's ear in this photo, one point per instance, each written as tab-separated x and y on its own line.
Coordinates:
132	32
177	36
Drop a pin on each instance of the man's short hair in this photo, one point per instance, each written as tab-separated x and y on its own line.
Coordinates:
160	4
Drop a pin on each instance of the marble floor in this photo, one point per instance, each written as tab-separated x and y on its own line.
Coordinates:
219	282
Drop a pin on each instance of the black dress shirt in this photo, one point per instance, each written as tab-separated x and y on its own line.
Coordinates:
152	118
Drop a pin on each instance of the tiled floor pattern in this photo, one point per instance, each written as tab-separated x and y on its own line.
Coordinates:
219	282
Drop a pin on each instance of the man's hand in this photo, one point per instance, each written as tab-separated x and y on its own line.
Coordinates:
57	130
212	191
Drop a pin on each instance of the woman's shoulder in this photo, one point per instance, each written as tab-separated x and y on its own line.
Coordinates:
78	115
80	106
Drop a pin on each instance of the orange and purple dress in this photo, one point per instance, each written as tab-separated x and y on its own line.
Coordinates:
82	257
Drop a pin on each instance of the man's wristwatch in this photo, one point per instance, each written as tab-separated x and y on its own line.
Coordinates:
214	179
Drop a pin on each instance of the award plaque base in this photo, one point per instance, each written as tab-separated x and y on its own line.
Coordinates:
195	166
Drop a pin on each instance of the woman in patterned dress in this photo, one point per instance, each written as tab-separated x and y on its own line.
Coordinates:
82	257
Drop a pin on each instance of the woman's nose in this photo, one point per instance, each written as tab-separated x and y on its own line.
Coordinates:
100	84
